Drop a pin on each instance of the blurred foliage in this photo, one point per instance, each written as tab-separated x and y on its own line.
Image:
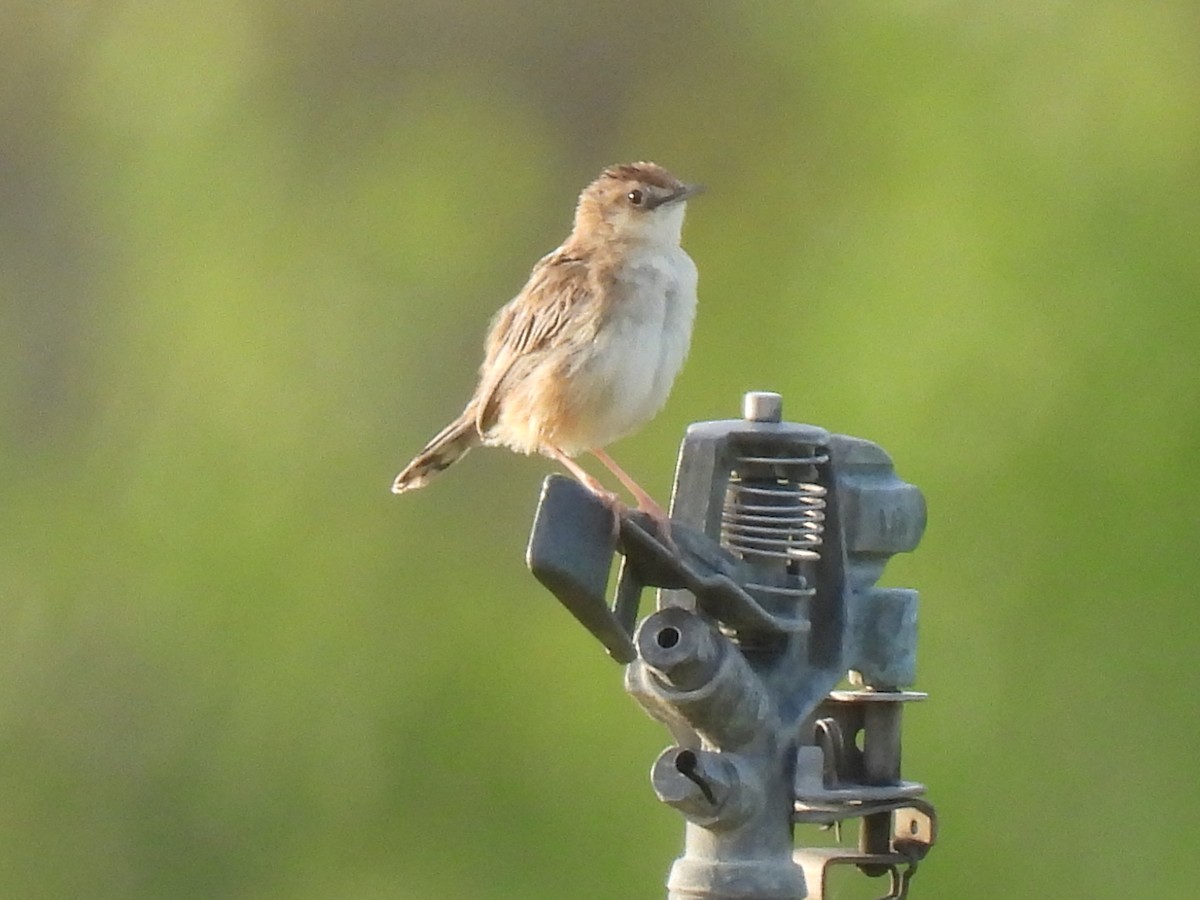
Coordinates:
248	249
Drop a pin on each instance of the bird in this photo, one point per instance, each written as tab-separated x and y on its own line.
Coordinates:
588	350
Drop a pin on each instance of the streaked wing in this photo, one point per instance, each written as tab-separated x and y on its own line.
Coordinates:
542	318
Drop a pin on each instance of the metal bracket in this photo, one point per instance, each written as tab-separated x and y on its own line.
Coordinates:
914	832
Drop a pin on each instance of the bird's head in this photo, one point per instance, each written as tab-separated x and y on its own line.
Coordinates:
637	202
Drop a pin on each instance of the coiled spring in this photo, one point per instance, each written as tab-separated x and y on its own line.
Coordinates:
774	512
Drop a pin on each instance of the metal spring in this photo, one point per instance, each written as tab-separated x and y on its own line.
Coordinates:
776	517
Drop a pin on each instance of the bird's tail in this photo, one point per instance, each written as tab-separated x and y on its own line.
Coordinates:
447	446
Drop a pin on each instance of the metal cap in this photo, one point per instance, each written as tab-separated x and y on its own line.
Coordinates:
762	406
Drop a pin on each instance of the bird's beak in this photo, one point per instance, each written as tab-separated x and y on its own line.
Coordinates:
683	192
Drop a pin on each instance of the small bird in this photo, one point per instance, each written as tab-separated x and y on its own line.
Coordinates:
587	352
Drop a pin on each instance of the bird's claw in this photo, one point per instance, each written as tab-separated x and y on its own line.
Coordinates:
661	521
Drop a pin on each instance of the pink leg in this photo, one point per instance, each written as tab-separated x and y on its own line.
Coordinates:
646	503
603	494
607	497
581	474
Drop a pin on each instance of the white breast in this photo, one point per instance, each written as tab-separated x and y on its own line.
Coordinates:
638	355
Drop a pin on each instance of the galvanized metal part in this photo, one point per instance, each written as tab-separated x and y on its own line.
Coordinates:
570	551
762	406
766	601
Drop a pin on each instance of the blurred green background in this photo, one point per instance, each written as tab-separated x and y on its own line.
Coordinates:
248	250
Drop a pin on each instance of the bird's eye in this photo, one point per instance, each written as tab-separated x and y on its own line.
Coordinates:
635	197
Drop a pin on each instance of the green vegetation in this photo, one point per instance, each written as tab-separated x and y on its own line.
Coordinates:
248	251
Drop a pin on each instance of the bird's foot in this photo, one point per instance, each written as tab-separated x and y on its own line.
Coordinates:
615	505
645	503
662	522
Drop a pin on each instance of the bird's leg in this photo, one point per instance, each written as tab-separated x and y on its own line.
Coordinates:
582	475
646	503
603	494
